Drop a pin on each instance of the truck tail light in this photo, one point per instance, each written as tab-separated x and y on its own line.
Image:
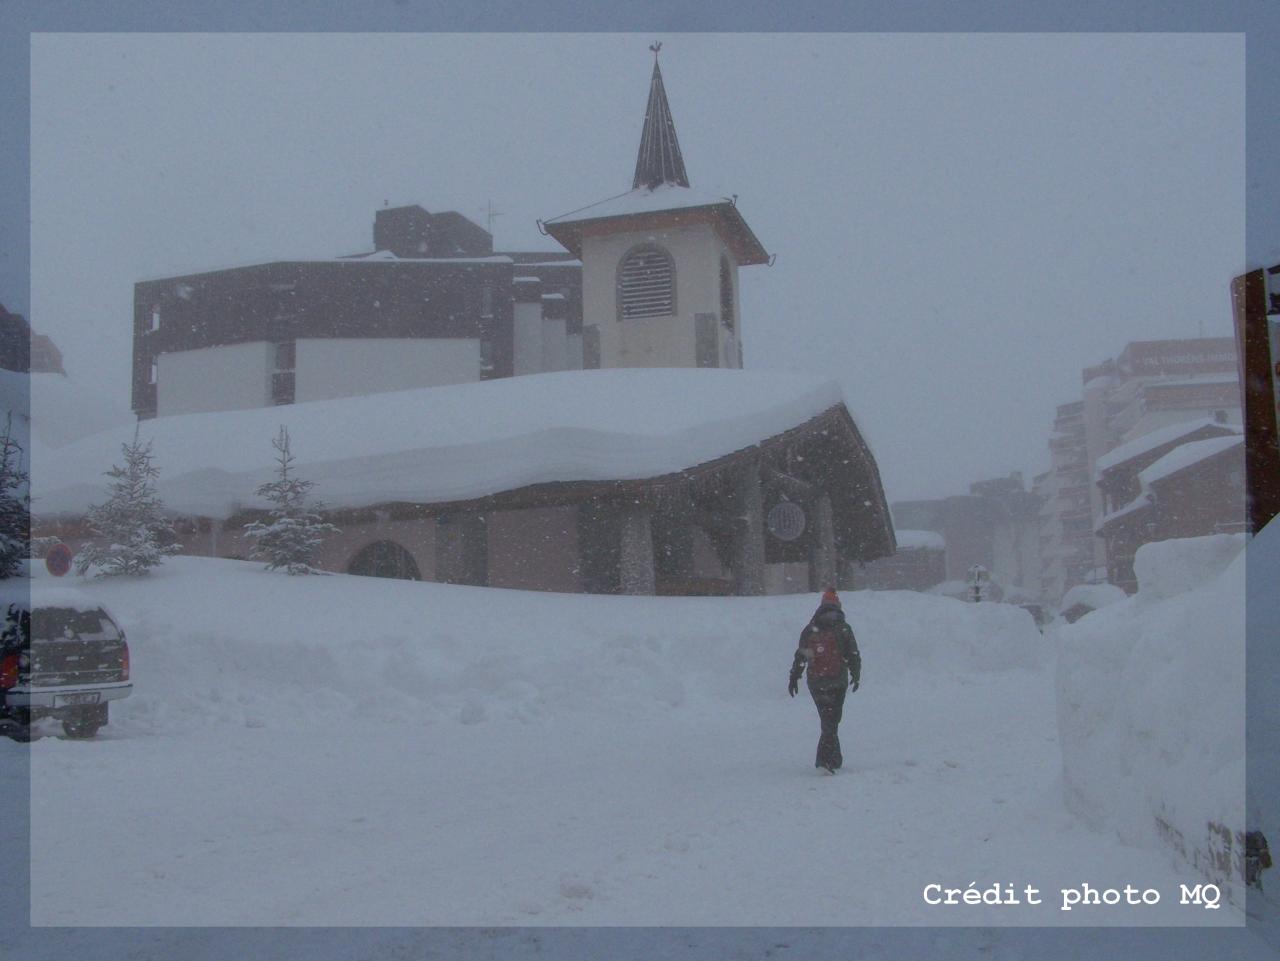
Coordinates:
124	662
9	671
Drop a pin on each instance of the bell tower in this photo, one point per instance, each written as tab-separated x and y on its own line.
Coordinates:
660	261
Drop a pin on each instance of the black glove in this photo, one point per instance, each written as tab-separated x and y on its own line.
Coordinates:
853	684
793	686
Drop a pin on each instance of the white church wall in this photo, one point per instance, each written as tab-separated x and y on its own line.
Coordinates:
237	377
348	367
651	341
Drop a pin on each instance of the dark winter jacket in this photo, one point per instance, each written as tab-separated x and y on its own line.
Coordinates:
828	617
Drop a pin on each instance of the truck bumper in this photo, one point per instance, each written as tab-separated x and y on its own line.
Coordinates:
47	697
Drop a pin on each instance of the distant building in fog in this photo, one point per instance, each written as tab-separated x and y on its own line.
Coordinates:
995	525
919	564
1151	385
25	351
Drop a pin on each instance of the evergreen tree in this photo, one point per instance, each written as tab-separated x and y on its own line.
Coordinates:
293	533
130	532
15	504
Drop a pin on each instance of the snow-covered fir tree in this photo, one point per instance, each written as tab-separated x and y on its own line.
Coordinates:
15	504
293	533
130	532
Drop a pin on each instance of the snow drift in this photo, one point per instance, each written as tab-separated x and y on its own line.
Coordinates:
1151	701
219	642
347	750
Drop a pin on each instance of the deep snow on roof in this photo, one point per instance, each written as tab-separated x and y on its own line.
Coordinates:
643	200
377	257
459	442
43	591
1188	455
1150	441
917	540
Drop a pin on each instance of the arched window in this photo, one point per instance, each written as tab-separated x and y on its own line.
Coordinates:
646	283
726	292
384	559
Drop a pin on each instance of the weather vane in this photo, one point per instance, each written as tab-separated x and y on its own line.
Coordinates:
655	47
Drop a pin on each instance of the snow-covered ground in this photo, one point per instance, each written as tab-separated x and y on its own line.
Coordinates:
349	751
676	751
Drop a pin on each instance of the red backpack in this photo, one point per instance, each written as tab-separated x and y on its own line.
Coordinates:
825	644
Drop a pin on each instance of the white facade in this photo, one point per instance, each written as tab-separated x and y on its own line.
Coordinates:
238	377
352	366
527	338
668	341
214	378
542	344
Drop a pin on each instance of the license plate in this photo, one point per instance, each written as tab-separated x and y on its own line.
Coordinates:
79	697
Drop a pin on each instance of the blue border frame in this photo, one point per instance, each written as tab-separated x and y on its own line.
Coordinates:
1259	20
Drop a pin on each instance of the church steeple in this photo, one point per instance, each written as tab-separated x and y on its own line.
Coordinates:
659	160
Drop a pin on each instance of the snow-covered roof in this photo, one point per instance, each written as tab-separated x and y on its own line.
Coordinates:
29	593
374	255
440	444
1150	441
375	258
1141	502
722	210
916	540
642	200
1188	455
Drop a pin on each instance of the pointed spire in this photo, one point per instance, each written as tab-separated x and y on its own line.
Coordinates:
659	160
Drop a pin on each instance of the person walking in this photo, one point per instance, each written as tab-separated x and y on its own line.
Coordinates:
828	653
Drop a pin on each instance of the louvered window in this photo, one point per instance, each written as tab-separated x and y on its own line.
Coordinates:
646	284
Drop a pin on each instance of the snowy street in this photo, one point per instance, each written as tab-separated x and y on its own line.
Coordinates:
615	771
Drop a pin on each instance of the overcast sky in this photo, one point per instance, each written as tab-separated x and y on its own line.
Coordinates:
961	222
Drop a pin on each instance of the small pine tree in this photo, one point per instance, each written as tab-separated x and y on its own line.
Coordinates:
294	532
15	504
130	532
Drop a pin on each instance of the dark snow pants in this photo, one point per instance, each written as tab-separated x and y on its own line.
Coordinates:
828	696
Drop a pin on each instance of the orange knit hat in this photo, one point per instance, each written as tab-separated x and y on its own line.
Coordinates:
829	596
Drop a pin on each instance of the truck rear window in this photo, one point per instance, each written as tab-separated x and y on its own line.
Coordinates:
64	624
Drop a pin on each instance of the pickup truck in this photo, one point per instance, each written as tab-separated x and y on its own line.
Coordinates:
61	656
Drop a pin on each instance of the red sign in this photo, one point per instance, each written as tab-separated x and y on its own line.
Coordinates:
58	560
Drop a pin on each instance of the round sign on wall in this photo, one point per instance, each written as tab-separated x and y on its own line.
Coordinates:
58	559
785	521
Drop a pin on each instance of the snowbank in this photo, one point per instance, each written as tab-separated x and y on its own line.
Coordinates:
1094	596
1151	701
218	642
1167	568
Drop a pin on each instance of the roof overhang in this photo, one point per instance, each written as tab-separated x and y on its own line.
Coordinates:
860	511
723	216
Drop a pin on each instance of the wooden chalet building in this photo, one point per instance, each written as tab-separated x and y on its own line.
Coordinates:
1182	481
